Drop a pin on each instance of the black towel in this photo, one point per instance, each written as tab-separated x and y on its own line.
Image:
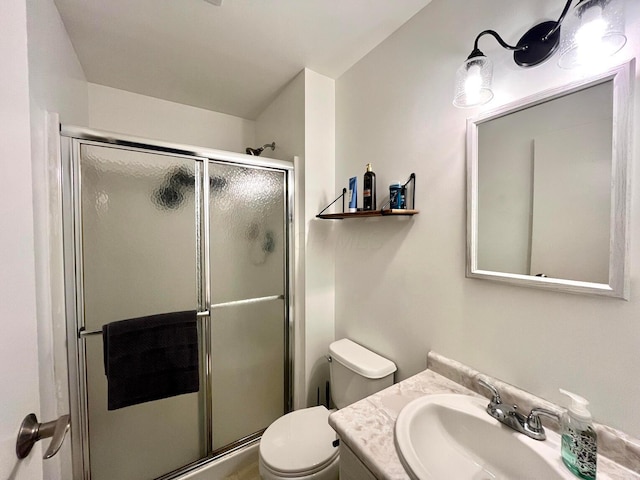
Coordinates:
150	358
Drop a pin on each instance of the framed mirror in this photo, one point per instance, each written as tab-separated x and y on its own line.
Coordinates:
548	191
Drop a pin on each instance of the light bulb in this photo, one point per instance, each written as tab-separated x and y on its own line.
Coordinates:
594	31
473	84
590	36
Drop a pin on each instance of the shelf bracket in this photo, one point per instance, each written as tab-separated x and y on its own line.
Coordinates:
412	178
341	196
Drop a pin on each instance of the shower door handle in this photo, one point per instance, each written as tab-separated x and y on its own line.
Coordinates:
31	431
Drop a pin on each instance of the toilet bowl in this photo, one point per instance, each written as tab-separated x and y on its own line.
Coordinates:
301	445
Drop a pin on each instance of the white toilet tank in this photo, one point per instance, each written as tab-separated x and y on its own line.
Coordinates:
357	372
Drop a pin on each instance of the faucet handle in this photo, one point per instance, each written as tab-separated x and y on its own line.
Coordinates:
494	391
534	425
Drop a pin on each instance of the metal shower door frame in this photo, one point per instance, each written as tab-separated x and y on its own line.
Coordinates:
71	140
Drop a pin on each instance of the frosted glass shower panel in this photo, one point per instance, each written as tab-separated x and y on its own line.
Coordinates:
139	234
139	247
248	364
247	225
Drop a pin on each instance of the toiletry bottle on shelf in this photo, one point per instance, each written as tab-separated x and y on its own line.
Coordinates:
369	189
579	441
353	194
397	194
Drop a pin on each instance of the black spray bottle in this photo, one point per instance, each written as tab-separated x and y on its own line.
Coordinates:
369	189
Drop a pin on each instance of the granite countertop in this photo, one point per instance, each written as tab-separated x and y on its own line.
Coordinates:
367	426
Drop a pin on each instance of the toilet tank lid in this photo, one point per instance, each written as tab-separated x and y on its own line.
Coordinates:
361	360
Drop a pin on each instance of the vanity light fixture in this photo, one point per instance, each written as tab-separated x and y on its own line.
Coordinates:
594	29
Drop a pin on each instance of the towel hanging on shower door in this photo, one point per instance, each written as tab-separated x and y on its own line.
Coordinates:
150	358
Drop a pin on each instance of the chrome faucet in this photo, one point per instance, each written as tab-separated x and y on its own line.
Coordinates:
509	415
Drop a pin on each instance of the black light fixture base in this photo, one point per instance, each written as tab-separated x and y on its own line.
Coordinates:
538	49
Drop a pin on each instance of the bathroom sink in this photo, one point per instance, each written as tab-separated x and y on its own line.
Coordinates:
452	436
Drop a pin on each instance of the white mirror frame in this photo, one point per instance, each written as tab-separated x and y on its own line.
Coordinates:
623	78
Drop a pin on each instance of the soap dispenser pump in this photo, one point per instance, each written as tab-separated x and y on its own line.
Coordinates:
579	440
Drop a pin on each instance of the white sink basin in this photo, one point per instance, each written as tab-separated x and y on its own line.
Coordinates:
453	437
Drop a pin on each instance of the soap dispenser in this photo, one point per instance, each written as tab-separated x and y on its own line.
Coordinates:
579	440
369	189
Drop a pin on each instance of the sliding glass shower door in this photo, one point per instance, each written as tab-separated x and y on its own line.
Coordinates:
248	328
139	257
149	230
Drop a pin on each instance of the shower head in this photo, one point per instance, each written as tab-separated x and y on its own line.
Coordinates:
257	151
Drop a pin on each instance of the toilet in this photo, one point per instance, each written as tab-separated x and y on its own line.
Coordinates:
300	444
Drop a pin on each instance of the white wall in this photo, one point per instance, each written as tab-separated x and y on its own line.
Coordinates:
41	74
301	120
57	85
400	284
18	340
283	122
116	110
319	190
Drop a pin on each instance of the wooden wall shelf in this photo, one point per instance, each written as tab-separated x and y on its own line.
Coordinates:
371	213
384	212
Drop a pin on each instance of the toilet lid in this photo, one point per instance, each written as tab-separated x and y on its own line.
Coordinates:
299	441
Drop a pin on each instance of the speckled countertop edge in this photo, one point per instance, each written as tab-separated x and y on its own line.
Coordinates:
367	426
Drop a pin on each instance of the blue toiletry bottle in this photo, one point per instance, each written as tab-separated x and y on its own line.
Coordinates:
353	194
397	196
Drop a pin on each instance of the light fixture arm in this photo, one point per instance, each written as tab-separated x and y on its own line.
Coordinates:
499	39
536	45
560	20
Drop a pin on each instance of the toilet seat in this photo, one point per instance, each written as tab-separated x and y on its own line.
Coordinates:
299	443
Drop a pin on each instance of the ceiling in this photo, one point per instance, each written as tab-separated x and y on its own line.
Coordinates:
232	58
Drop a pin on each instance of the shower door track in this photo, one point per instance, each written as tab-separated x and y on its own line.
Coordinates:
128	141
72	138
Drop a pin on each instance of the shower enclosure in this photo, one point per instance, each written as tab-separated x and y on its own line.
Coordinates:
152	228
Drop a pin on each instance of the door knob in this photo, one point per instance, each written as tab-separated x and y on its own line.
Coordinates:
31	431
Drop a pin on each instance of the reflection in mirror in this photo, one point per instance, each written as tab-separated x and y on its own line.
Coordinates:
547	188
544	195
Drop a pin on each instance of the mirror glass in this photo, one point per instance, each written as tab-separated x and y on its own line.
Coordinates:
547	188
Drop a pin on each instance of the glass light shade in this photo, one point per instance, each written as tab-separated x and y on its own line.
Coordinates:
473	82
593	30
